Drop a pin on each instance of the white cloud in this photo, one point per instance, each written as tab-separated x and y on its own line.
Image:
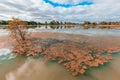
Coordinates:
101	10
67	1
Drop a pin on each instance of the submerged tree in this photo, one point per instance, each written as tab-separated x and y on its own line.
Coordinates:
76	57
23	44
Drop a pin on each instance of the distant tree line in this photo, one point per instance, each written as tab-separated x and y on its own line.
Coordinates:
54	22
3	22
100	23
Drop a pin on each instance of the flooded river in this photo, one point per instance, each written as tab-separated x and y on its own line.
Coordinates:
21	68
18	67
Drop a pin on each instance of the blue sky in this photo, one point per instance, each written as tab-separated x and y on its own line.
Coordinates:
68	5
61	10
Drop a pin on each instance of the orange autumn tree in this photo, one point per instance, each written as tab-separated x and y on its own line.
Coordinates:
23	44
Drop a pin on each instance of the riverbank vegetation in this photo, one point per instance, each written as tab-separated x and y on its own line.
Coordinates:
85	24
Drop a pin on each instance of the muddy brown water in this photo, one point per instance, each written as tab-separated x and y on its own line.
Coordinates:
22	68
